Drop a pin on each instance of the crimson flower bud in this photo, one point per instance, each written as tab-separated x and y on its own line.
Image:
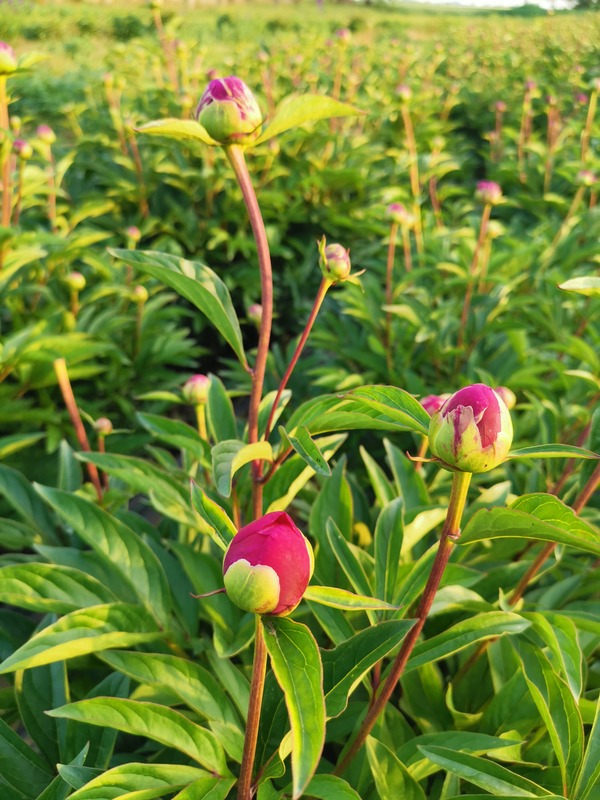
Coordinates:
195	390
506	394
585	177
433	402
228	111
488	192
500	106
268	565
472	432
335	262
400	214
8	60
133	233
22	149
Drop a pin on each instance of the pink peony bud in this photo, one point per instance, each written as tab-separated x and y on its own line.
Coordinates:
343	35
229	112
139	295
472	432
404	92
103	426
75	281
133	233
585	177
268	565
195	390
22	149
488	192
8	60
335	262
500	106
255	312
433	402
46	134
509	397
400	214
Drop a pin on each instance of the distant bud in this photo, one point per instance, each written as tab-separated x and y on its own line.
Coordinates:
500	106
404	92
108	79
255	312
509	397
268	565
103	426
488	192
229	112
15	124
585	177
133	233
8	60
472	432
155	4
139	295
433	402
22	149
494	229
195	390
400	214
595	85
581	98
335	262
46	134
343	35
75	281
530	86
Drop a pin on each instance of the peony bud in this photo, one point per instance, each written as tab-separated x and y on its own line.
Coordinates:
500	106
335	262
506	394
8	60
488	192
103	426
139	295
472	432
229	112
22	149
133	233
46	134
75	281
585	177
433	402
404	92
400	214
268	565
255	312
195	390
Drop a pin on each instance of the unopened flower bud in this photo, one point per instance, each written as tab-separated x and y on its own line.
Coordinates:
500	106
255	312
15	124
472	432
195	390
400	214
404	92
229	112
343	35
75	281
335	262
494	229
46	134
581	98
488	192
509	397
139	295
8	60
103	426
585	177
433	402
22	149
595	85
133	233
268	565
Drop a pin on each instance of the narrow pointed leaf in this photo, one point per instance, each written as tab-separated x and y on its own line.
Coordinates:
184	130
391	777
144	781
307	449
330	787
297	666
50	587
388	546
231	455
589	774
23	770
214	516
588	285
552	451
348	601
208	788
298	110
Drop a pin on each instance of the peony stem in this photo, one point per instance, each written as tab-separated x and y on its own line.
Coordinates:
235	155
450	534
257	686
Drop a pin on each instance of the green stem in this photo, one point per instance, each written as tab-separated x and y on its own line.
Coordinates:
450	534
4	126
587	131
235	155
257	686
415	184
389	274
485	219
325	284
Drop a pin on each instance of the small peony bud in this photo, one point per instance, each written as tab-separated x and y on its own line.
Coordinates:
404	92
46	134
581	98
133	233
585	177
139	295
509	397
500	106
229	112
8	60
268	565
400	214
15	124
488	192
343	35
75	281
22	149
472	432
255	312
103	426
433	402
195	390
335	262
595	85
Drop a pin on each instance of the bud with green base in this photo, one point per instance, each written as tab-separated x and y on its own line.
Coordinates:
228	111
268	565
472	432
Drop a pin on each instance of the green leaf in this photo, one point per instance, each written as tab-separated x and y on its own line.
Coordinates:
59	788
198	284
50	587
231	455
156	722
219	412
536	516
349	562
588	285
488	625
37	690
23	770
191	682
559	634
558	710
21	496
297	666
589	774
297	110
119	545
552	451
391	777
88	630
18	441
175	432
330	787
348	601
388	546
223	528
345	665
209	788
139	781
184	130
495	779
307	449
